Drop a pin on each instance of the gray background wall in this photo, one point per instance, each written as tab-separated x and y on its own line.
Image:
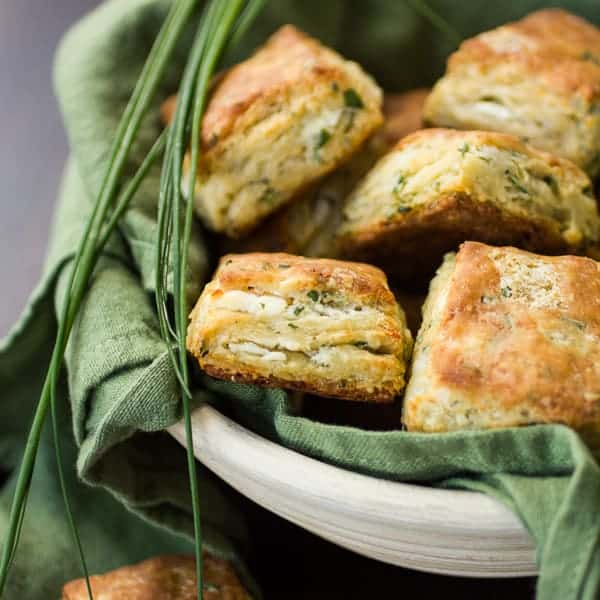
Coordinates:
33	147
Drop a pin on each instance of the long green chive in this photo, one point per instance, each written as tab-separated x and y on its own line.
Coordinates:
436	20
86	257
221	24
121	205
253	8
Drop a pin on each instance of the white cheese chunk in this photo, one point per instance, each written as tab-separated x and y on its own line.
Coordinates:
266	305
256	350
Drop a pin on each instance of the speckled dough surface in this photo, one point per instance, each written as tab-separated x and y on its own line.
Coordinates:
508	338
440	187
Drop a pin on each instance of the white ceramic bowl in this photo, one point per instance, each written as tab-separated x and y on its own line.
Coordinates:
441	531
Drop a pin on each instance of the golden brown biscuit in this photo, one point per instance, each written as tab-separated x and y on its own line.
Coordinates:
508	338
276	123
307	225
162	578
440	187
538	78
325	326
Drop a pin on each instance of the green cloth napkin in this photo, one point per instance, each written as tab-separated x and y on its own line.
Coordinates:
119	392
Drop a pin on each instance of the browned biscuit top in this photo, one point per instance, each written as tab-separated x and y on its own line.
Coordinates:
265	271
289	57
518	325
558	46
170	577
503	141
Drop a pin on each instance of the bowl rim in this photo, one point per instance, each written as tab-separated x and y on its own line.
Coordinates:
453	532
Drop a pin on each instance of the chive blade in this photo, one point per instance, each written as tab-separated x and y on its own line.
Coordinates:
219	23
86	258
436	20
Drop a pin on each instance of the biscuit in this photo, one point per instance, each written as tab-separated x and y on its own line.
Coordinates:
317	325
440	187
508	338
275	124
538	78
171	577
307	225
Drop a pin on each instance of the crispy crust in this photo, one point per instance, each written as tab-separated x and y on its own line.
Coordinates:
538	78
410	244
411	249
170	577
364	283
505	141
509	338
266	78
402	114
319	325
551	44
263	78
332	388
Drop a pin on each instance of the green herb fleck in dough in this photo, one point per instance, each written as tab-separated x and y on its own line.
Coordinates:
292	326
270	196
551	182
576	323
322	139
313	295
352	99
298	310
463	149
516	183
591	57
400	184
506	291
